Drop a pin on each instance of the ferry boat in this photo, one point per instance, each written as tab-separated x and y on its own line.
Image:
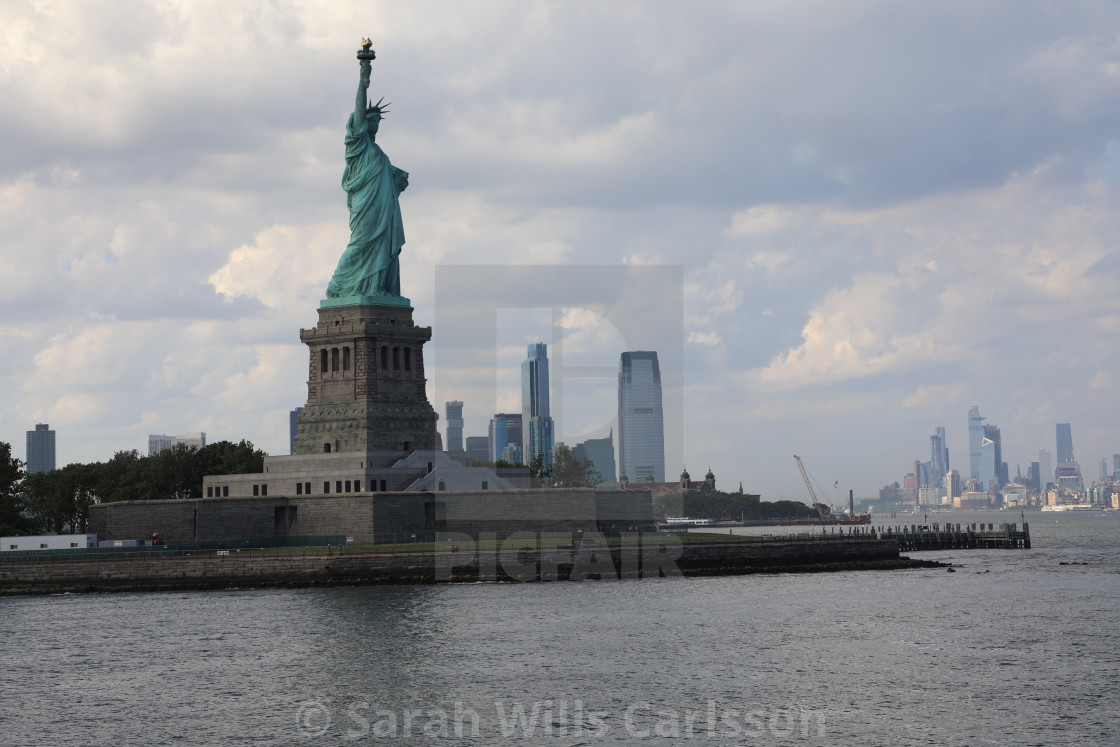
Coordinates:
1070	507
684	521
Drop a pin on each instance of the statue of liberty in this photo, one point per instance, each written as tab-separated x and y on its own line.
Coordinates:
369	266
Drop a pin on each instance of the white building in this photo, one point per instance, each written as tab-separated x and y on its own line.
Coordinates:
49	542
158	442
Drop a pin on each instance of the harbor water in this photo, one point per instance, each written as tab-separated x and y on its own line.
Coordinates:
1013	647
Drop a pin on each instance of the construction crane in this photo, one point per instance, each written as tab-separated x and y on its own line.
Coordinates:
809	485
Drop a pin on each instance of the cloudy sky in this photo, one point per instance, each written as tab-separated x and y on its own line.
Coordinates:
879	214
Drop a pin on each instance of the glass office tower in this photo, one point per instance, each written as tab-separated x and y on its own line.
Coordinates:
641	420
536	419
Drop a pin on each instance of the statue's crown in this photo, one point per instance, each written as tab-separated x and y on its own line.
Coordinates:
377	108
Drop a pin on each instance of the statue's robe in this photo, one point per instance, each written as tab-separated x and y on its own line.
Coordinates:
369	266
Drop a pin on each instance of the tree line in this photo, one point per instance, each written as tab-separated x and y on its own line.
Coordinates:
718	505
59	500
566	471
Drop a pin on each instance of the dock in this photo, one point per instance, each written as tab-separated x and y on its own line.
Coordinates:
917	537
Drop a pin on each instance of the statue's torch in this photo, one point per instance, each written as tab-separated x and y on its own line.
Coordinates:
366	52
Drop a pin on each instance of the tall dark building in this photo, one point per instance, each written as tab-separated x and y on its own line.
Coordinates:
1065	443
1069	471
454	425
40	449
993	472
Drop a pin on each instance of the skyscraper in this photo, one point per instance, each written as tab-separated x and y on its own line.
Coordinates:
1045	469
938	457
992	458
476	447
536	419
601	453
975	441
40	449
1068	471
641	420
953	484
454	425
1065	443
504	438
293	429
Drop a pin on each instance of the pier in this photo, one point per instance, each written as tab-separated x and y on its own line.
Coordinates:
916	537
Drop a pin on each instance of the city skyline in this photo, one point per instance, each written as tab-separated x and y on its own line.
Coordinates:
994	471
868	242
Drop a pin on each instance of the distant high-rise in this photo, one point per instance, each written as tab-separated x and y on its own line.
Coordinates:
40	449
989	475
641	420
454	425
504	438
601	453
293	429
476	447
1102	465
938	457
1045	469
157	442
536	419
975	441
1065	443
993	472
953	484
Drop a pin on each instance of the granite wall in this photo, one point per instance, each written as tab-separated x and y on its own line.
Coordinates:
378	518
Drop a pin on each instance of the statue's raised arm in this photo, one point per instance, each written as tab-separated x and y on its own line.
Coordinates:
361	98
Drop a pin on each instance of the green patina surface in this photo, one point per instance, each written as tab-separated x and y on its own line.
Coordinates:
401	301
369	268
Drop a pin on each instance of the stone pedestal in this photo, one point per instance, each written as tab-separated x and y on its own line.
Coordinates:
366	390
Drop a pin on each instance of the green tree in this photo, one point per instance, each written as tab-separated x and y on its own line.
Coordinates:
59	500
125	477
538	472
12	494
718	505
569	471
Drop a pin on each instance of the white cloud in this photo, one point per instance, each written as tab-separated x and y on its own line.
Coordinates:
285	264
712	339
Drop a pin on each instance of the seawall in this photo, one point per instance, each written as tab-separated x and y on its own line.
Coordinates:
660	557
